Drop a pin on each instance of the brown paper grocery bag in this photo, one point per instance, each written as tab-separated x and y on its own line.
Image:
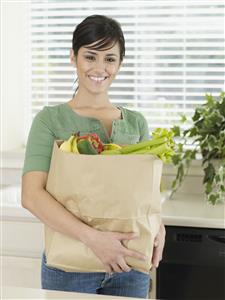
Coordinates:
110	193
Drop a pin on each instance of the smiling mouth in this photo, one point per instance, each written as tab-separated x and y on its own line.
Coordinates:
98	79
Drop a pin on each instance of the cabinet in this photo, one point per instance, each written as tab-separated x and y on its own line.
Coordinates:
21	249
21	271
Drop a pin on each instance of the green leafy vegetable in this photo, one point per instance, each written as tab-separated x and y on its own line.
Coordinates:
161	145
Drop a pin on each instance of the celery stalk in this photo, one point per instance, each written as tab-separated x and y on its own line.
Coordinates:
156	150
135	147
159	150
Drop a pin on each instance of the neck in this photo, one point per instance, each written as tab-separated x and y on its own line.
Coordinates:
85	99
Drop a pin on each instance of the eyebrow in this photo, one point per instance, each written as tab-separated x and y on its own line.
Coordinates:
94	53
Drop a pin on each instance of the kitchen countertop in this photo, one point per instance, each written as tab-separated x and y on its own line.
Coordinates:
193	211
183	210
11	292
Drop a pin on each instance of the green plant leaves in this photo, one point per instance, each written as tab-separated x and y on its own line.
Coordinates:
213	198
176	130
209	172
207	133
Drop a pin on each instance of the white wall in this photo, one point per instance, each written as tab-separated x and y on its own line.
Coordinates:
14	21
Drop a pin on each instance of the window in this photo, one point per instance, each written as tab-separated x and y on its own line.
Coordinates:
174	54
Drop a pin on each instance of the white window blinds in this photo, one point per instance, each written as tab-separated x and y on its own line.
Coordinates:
174	54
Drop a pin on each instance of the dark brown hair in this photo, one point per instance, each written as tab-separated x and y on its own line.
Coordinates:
105	31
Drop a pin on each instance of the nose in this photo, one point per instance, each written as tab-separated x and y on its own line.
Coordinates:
100	64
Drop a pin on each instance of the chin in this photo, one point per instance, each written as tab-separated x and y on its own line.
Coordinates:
98	91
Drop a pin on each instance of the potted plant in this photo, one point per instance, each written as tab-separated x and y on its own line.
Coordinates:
207	137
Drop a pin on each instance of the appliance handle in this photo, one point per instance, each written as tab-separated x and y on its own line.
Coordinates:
217	238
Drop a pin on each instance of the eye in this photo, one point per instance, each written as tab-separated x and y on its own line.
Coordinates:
110	59
90	57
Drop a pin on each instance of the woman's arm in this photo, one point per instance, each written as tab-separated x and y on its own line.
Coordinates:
107	246
41	204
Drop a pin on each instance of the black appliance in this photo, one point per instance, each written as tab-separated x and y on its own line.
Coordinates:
193	265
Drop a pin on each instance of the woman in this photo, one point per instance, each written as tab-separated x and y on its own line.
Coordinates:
97	53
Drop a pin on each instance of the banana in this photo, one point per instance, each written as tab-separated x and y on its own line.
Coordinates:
67	145
74	146
111	147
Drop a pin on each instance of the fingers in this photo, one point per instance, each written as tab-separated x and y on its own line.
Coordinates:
127	236
136	254
117	263
124	266
108	268
156	242
156	258
158	248
120	266
116	268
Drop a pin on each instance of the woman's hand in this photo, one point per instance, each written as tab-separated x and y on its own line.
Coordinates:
108	248
159	243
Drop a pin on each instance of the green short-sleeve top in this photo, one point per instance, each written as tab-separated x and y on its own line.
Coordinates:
59	122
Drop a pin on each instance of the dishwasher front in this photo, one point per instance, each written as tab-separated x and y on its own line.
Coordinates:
193	265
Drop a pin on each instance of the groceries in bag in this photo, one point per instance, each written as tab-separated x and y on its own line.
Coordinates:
161	145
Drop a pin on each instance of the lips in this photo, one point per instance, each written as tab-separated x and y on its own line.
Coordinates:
98	79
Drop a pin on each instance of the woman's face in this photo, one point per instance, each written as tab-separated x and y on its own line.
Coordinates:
96	69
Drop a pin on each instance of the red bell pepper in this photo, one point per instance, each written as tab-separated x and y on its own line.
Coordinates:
94	139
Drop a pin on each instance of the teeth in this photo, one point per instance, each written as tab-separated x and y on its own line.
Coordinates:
97	79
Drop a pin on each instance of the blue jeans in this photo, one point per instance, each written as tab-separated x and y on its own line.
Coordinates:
127	284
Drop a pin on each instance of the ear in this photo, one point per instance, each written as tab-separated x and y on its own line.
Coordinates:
72	58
